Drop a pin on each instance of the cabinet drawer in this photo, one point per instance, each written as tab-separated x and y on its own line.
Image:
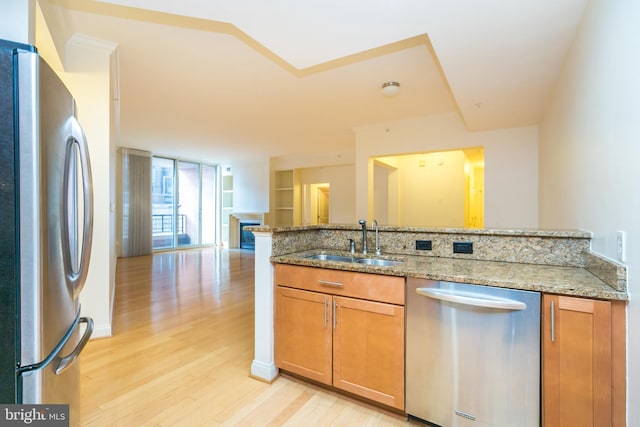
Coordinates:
367	286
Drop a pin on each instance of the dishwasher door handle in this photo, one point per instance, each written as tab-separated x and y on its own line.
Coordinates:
467	298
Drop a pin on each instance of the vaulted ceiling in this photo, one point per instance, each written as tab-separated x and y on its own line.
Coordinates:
222	80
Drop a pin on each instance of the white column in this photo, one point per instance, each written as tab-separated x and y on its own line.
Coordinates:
17	21
263	366
88	77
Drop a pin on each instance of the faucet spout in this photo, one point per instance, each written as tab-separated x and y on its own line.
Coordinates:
363	224
374	223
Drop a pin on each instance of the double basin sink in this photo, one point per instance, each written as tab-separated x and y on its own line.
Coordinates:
354	260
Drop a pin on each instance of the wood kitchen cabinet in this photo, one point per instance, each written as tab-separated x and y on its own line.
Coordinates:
583	380
303	335
343	329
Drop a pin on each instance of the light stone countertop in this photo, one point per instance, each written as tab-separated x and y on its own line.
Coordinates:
563	280
537	232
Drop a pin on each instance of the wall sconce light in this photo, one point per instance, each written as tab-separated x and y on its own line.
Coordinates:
390	89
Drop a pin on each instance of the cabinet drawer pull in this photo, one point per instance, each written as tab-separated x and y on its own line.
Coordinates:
328	283
325	313
335	312
553	322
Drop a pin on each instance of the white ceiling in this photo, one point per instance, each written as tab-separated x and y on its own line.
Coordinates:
221	80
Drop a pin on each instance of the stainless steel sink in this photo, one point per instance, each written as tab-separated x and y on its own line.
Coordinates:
327	257
366	261
378	262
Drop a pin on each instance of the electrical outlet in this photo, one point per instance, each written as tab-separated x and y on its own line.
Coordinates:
622	243
423	245
462	247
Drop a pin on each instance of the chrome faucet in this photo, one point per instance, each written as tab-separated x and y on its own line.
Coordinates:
378	251
363	224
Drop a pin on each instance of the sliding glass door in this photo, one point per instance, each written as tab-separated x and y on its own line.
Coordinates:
163	203
188	226
184	195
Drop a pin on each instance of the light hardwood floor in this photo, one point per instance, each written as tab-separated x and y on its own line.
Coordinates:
182	350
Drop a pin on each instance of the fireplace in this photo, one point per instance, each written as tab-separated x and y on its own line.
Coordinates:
247	240
238	237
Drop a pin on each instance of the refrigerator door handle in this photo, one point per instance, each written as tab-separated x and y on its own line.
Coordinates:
76	265
68	360
467	298
54	353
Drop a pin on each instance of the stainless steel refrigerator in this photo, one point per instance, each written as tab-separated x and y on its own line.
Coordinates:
45	233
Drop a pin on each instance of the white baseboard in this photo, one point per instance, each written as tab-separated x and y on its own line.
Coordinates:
264	371
101	331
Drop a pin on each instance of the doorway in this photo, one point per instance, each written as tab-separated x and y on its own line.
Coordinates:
319	202
323	205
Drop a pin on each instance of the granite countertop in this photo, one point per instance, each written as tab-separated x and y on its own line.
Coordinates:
573	281
538	232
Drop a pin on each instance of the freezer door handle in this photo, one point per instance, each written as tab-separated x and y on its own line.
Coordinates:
68	360
475	299
76	264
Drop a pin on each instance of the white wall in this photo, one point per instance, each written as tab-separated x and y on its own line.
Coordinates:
511	164
251	186
590	148
384	198
88	78
336	168
341	180
511	180
431	189
319	159
511	167
17	21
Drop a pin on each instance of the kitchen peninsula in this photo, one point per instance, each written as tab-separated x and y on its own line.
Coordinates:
556	263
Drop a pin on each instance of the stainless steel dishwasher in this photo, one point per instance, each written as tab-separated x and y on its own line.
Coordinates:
473	355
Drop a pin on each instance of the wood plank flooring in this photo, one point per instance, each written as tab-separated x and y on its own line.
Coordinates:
182	350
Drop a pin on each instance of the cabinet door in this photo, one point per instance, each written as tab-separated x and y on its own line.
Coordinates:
303	327
368	350
576	362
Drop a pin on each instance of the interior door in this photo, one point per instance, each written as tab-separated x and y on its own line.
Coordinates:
323	205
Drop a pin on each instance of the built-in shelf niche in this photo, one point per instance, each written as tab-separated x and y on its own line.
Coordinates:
284	198
227	206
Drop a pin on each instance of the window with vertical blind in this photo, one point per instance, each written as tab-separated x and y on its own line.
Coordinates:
135	206
166	203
